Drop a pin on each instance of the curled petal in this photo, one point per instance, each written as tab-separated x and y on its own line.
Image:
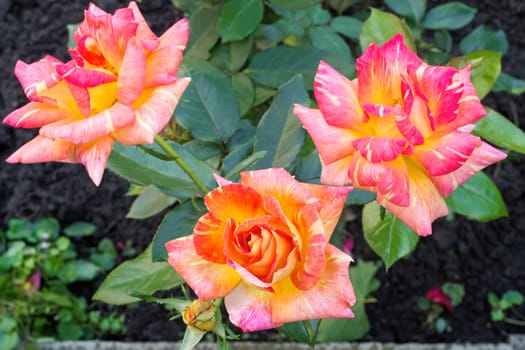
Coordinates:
163	62
333	143
35	115
84	77
209	280
38	76
153	114
41	149
426	203
147	38
250	308
94	157
330	297
208	238
337	98
312	263
132	74
481	157
447	154
378	149
87	130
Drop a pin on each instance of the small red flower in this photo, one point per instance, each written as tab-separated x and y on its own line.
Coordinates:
436	295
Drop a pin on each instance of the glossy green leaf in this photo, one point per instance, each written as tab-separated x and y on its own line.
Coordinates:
485	69
178	222
239	18
294	4
232	56
204	34
381	27
510	84
413	9
139	167
326	39
208	108
500	131
348	329
451	16
280	133
388	236
79	270
341	5
150	202
207	152
478	199
69	331
244	92
140	275
8	333
360	197
275	66
348	26
483	38
80	229
301	331
13	256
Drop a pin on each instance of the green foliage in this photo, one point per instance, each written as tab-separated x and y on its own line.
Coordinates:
500	307
38	262
389	237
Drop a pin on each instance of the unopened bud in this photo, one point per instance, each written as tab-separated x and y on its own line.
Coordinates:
200	315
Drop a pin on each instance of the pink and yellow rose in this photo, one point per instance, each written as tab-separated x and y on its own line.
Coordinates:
120	85
263	246
400	129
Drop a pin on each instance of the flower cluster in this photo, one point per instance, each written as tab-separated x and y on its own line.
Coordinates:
400	129
120	85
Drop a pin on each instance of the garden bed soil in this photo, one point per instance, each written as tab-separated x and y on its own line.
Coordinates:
483	257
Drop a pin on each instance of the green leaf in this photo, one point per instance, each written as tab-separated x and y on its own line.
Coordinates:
140	167
451	16
500	131
513	297
232	56
478	199
140	275
280	133
381	27
389	237
204	34
239	18
294	4
359	197
19	229
510	84
80	229
341	5
13	256
69	331
413	9
79	270
483	38
192	337
150	202
244	92
178	222
326	39
275	66
485	69
47	226
348	329
348	26
170	303
9	337
301	331
208	108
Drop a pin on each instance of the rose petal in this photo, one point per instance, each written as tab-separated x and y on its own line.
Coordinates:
207	279
94	157
132	74
41	149
35	115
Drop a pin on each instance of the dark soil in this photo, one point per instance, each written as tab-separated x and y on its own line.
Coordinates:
483	257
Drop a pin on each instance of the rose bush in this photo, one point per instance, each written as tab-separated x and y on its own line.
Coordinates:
400	129
120	85
263	246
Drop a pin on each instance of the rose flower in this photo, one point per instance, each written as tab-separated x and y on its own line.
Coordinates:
401	129
263	246
120	85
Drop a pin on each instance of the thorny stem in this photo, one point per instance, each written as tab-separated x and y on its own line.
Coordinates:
175	156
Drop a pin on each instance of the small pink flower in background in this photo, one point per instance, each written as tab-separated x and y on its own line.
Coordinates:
400	129
120	85
263	246
436	295
35	280
348	245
